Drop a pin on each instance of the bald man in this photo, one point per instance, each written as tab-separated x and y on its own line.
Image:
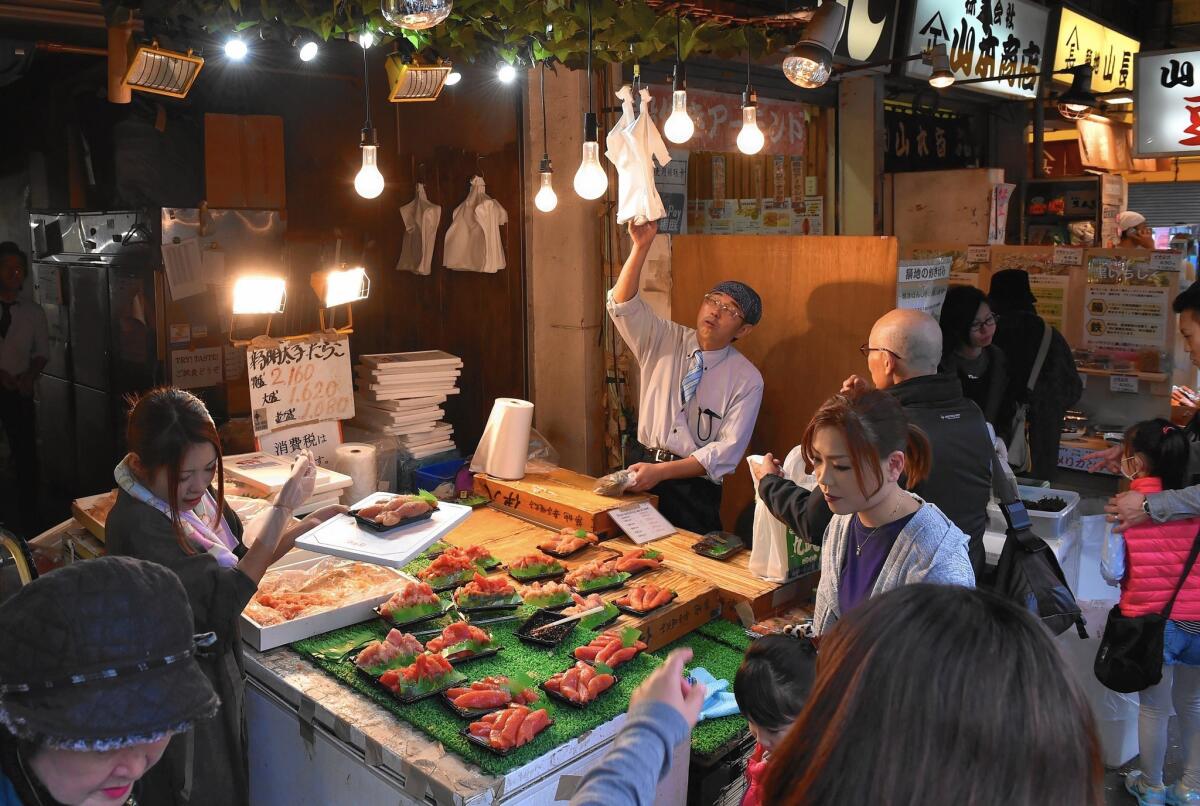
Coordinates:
902	358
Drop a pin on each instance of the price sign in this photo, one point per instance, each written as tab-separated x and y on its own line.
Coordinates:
979	254
1068	255
1123	383
299	381
1164	261
642	522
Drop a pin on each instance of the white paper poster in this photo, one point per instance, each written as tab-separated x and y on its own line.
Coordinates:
322	438
922	284
196	369
300	381
1051	293
184	268
1127	305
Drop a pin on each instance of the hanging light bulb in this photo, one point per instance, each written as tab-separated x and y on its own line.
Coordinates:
750	139
366	39
368	182
545	199
453	78
590	180
236	49
810	63
679	127
308	51
506	73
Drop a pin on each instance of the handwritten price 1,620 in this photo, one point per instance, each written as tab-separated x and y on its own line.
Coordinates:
315	392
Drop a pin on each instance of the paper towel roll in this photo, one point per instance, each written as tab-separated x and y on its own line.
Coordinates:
357	460
504	447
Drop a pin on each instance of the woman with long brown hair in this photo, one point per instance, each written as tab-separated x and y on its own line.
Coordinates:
168	512
859	446
934	694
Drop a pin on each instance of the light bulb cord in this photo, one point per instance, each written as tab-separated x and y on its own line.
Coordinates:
545	142
589	60
366	89
747	30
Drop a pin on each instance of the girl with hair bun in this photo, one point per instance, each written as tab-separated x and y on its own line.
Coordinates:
881	536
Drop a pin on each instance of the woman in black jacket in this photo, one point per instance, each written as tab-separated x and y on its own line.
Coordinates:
968	328
1019	334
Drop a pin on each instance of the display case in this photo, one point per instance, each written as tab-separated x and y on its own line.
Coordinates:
1059	211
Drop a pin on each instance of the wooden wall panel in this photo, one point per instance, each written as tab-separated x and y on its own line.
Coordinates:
821	294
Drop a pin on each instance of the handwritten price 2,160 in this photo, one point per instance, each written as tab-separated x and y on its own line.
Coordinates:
291	375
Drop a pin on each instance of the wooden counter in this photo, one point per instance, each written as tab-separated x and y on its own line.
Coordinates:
560	498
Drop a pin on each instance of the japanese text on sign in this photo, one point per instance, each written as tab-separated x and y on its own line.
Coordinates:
784	124
195	369
1168	104
298	382
1084	41
983	40
922	284
321	438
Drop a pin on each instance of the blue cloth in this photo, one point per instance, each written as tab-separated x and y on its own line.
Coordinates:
1180	646
639	758
718	700
8	794
859	571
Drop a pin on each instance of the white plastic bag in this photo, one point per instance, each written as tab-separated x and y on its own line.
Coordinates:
770	557
1112	557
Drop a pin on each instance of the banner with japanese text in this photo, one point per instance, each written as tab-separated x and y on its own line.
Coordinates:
1167	101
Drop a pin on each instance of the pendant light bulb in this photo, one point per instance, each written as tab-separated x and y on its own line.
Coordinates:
453	78
750	139
679	127
236	49
368	182
590	180
308	51
546	199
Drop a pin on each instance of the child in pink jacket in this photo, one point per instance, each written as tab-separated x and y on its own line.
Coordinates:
1156	458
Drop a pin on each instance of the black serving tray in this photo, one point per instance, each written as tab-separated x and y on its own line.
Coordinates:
554	695
640	613
379	528
486	745
442	610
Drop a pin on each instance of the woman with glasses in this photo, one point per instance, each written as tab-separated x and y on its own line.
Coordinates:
968	326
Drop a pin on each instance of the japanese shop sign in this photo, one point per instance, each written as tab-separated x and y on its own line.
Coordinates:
718	119
295	382
983	39
918	141
1167	102
1127	305
1082	40
868	30
196	369
321	438
670	181
922	284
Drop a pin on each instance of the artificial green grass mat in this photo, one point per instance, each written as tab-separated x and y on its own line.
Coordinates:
434	718
727	633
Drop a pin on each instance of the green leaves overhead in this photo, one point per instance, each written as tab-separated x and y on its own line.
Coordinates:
477	30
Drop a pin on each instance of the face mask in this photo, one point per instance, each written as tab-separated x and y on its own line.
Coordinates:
1130	467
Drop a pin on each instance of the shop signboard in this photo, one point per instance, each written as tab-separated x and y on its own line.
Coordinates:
1082	40
1167	100
919	141
1127	305
299	381
983	39
868	30
670	181
718	117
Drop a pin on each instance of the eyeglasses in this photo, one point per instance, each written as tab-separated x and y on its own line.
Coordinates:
867	349
721	308
983	324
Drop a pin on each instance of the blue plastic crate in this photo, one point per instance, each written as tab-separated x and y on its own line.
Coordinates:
433	476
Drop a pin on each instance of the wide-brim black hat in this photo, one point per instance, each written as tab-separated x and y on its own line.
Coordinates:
101	655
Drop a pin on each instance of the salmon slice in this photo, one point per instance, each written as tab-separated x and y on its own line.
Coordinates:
512	726
482	699
587	653
534	723
570	684
599	684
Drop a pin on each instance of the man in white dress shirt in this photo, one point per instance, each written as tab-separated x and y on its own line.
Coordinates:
24	348
699	396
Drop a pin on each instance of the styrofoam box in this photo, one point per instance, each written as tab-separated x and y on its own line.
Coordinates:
276	635
1067	550
1045	524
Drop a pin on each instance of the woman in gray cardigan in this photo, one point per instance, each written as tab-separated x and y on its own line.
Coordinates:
881	536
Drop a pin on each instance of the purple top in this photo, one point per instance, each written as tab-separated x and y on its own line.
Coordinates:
860	570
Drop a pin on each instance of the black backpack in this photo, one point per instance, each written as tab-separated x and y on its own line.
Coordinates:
1028	572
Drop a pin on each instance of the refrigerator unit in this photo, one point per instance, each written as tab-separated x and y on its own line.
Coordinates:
95	275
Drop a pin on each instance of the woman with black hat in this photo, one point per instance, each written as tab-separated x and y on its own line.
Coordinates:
168	513
97	674
1023	336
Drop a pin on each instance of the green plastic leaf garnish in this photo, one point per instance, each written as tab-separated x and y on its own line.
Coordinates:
428	498
629	636
602	668
581	533
596	619
519	682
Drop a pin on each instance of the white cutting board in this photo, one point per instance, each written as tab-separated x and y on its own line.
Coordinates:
342	536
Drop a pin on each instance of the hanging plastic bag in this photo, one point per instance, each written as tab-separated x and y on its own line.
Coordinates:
778	555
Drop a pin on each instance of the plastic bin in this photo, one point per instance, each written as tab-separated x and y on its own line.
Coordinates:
433	476
1046	525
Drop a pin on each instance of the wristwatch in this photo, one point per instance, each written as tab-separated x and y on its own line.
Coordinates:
1146	506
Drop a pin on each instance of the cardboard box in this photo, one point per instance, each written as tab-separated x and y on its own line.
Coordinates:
263	638
558	499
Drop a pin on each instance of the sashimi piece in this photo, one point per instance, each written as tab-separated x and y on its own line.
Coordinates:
587	653
583	603
570	684
371	512
389	518
478	554
451	562
481	699
599	684
512	726
533	723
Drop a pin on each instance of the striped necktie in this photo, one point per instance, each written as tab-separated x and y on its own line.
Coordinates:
687	387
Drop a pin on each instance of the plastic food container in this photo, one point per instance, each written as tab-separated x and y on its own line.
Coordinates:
1045	524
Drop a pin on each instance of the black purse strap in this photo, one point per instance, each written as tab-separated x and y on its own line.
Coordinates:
1187	570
